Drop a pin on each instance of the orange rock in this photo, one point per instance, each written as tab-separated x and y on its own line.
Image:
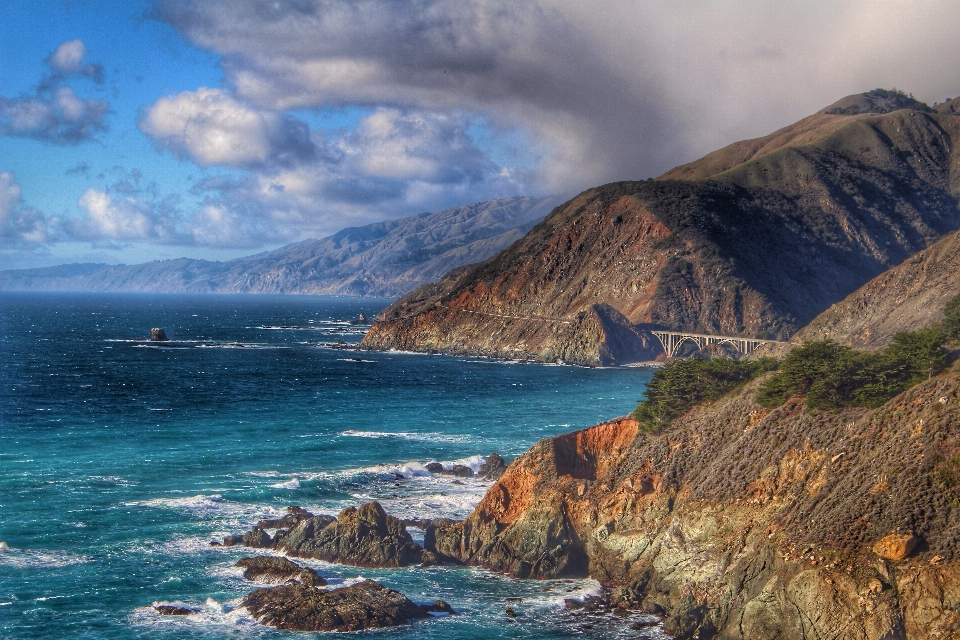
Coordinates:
896	546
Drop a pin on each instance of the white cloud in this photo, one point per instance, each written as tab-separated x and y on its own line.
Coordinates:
127	219
55	113
68	59
213	128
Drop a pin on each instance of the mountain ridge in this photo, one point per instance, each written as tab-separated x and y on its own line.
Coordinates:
383	259
754	249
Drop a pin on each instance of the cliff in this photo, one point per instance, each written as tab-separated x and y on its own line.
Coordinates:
385	259
738	523
753	240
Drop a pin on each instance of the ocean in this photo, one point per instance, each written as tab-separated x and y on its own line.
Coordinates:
121	459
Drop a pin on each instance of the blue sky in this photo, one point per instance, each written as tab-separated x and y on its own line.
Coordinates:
140	130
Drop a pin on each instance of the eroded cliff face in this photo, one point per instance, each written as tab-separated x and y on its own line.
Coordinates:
754	240
743	523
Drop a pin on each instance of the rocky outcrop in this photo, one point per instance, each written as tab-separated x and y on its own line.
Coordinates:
753	240
274	570
157	334
364	537
492	468
736	522
366	605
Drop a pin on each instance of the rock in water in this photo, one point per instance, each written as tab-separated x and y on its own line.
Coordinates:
361	320
435	467
275	570
365	537
157	334
492	468
174	610
367	605
458	470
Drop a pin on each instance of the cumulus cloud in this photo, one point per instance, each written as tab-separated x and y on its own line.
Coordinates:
68	59
127	218
608	90
55	113
211	127
394	163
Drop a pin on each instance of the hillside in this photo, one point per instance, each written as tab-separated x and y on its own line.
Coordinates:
743	520
384	259
753	240
736	522
905	298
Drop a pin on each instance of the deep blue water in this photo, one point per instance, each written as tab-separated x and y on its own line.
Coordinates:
120	459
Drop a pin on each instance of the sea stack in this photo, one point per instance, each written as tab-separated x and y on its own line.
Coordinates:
157	334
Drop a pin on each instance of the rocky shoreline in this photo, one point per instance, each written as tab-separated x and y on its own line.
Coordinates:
735	522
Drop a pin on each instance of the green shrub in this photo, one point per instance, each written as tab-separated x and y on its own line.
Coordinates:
681	384
832	376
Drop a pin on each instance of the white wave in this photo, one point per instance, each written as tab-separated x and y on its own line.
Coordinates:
37	558
353	360
213	506
406	435
227	615
117	480
293	483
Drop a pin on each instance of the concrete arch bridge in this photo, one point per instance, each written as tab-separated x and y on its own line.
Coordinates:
671	341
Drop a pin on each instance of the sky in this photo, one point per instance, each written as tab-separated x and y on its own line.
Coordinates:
138	130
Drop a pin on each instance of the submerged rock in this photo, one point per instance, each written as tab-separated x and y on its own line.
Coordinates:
367	605
271	569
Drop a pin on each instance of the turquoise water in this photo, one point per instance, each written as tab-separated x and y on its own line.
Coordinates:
120	459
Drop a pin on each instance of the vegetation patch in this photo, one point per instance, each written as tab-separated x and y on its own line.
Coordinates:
681	384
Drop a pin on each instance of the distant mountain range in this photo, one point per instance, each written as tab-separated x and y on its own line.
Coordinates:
385	259
753	240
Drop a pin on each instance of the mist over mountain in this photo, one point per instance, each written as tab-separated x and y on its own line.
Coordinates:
385	259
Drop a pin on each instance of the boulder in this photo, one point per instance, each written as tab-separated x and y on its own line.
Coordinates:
366	605
438	606
158	335
895	547
492	468
232	541
274	570
435	467
257	538
365	537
